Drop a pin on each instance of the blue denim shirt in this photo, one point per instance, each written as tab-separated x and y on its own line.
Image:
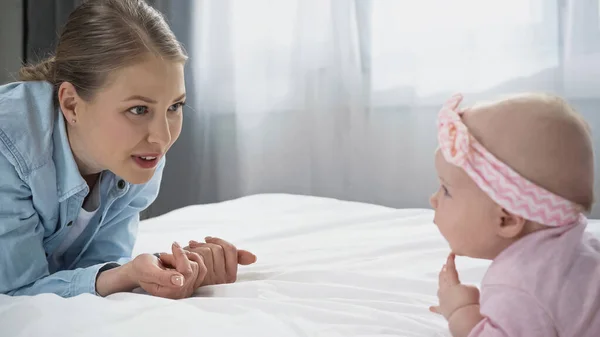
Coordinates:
41	194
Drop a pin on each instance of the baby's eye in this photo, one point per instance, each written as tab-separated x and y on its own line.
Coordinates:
446	193
139	110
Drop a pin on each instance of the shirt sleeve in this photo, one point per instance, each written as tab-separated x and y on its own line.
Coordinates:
510	312
23	265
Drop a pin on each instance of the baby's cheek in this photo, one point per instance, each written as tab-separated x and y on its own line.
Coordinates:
438	217
451	225
443	222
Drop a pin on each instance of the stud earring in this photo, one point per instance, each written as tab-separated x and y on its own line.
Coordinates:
73	120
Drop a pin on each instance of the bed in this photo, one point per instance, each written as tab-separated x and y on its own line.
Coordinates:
325	268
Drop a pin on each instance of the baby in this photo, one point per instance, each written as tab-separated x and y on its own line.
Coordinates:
516	178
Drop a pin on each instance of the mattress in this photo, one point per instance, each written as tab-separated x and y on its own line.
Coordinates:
325	268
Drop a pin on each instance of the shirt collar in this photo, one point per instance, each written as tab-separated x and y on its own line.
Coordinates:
69	180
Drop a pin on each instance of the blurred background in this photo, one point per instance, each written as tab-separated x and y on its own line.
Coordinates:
338	98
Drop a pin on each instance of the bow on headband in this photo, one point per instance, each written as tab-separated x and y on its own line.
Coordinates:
501	183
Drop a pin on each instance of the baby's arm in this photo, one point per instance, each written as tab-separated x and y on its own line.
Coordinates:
458	303
510	312
464	319
504	311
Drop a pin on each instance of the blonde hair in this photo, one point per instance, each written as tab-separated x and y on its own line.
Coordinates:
101	36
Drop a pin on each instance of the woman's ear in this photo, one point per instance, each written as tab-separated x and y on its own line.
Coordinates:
68	100
511	225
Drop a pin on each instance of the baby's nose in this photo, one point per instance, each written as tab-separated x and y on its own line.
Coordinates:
433	201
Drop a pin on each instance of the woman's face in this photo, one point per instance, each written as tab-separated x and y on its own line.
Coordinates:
129	125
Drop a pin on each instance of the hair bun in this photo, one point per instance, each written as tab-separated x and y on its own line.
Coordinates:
43	71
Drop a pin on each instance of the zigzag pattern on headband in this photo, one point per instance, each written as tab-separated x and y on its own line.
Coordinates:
500	182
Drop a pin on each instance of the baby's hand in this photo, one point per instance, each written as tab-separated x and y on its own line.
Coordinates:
453	295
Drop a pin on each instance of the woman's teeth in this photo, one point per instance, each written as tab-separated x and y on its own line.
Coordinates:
148	158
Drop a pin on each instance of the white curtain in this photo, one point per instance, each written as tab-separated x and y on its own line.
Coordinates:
338	98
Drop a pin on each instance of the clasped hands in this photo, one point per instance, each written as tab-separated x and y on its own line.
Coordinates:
178	274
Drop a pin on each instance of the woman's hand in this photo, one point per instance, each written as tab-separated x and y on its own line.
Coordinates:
173	276
221	259
452	294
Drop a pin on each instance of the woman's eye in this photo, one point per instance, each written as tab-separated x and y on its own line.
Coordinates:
176	106
139	110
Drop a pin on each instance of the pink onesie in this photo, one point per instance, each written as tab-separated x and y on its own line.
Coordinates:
546	284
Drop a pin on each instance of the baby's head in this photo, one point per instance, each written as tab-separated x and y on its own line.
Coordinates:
540	138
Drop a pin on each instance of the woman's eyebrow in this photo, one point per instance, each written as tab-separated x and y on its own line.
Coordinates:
150	100
180	98
141	98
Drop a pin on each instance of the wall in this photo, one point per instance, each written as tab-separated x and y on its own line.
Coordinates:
11	34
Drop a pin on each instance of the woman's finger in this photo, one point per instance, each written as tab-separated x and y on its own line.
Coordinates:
162	263
207	257
245	257
218	270
435	310
230	257
194	244
153	274
167	260
182	264
202	271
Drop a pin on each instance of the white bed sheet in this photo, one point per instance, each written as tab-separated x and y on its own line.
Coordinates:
325	268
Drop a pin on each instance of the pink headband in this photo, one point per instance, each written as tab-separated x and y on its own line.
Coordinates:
501	183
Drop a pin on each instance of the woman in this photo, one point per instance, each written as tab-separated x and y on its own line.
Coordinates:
82	143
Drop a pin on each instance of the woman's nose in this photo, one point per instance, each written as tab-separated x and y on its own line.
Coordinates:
159	132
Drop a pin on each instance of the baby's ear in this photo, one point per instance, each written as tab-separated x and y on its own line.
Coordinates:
511	225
